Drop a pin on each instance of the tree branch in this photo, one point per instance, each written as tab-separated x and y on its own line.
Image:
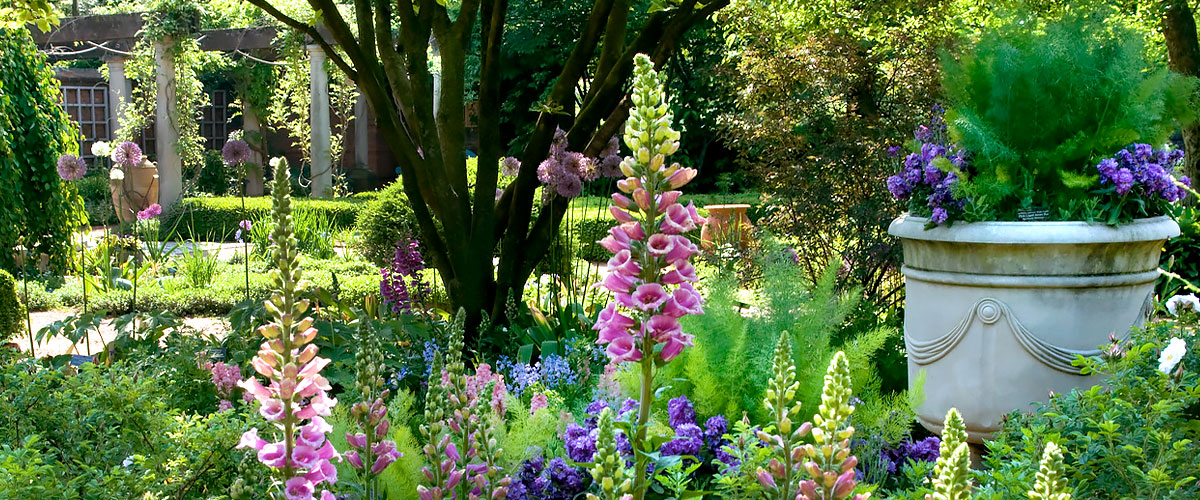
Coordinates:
309	30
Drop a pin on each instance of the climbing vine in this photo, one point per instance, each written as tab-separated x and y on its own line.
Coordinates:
172	23
290	100
37	208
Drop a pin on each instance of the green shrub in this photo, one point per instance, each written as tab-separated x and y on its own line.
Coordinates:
12	312
1181	255
1038	108
588	233
386	220
215	177
97	198
216	219
1133	437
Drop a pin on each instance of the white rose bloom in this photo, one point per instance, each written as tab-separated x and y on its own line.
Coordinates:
101	148
1172	355
1187	301
116	174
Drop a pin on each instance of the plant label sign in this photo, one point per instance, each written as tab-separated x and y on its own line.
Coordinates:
1033	214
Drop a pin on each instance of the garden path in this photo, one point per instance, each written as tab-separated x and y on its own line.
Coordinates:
60	345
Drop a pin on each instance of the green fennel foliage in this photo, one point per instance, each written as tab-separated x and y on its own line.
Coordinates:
1038	108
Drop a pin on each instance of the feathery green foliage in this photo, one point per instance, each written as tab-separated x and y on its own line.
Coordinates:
1037	109
951	475
722	374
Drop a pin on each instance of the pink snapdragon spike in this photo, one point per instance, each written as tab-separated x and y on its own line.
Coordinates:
225	378
650	274
294	399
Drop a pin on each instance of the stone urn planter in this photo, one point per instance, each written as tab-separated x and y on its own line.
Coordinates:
726	224
137	191
997	311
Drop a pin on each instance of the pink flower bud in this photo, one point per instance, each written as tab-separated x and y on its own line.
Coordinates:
381	429
809	489
454	478
681	177
765	479
620	215
357	440
452	452
383	462
621	200
424	492
850	463
844	485
642	198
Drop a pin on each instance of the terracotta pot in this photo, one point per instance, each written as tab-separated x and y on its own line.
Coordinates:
726	224
138	191
996	311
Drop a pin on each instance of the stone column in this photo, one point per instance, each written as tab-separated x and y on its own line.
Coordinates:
253	135
118	93
321	168
362	156
166	128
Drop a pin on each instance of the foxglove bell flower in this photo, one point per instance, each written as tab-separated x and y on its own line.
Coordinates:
650	267
295	399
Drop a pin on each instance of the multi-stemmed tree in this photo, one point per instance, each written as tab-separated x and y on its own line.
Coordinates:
387	54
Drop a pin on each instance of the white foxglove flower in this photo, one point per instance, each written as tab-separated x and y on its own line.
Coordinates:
1187	301
101	149
116	174
1172	355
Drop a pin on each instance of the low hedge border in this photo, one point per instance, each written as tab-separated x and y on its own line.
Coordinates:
217	218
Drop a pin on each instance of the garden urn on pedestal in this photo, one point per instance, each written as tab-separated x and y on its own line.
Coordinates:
137	190
726	224
997	311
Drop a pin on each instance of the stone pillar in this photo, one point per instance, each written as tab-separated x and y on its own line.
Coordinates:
166	129
253	135
118	93
321	168
362	156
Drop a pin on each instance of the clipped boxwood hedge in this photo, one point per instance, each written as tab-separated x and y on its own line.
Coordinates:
217	218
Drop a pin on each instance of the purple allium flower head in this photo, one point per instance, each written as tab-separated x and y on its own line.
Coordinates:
71	167
510	166
235	152
127	154
680	412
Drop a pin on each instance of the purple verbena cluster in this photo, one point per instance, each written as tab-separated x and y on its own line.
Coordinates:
925	450
401	285
556	480
690	439
1144	171
929	173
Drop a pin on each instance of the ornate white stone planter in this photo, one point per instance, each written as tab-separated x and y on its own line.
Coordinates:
996	311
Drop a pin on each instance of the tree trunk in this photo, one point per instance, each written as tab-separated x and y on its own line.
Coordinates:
1183	53
460	224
